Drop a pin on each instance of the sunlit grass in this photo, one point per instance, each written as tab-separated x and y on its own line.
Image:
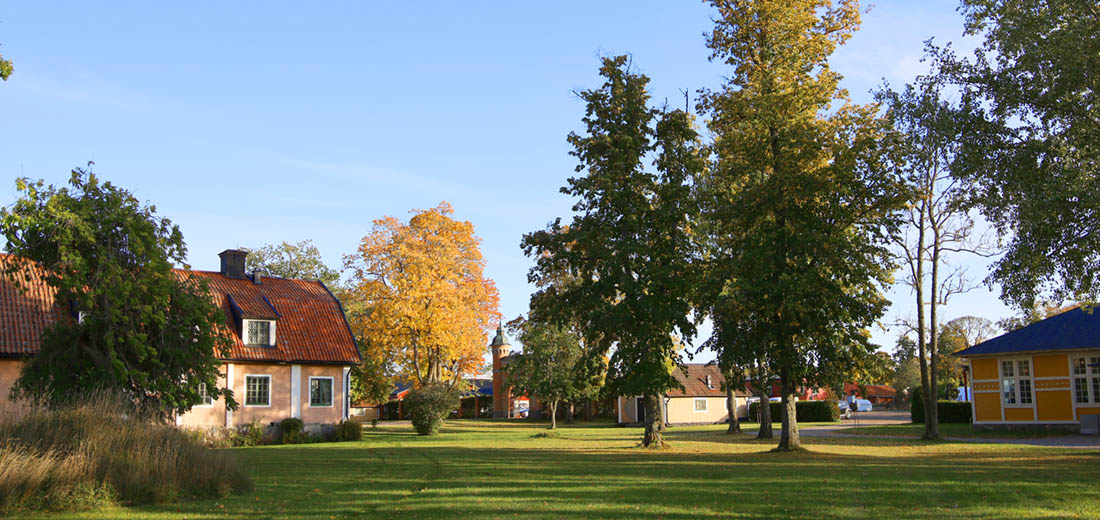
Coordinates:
481	469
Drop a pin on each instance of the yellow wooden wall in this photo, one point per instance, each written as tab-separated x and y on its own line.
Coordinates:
1052	391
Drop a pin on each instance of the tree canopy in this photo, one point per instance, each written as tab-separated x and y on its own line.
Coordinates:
1032	145
135	325
425	301
628	247
805	204
285	260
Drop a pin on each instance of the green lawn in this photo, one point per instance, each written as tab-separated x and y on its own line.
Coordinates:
484	469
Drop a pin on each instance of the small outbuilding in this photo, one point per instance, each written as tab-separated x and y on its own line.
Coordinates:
1043	376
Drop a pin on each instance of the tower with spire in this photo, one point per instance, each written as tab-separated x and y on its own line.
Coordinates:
502	393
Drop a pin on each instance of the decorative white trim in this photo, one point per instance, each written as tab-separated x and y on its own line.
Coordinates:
229	385
270	390
346	398
296	391
332	391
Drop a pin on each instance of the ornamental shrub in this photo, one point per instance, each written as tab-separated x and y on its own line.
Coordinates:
348	430
805	411
291	431
429	405
948	411
817	411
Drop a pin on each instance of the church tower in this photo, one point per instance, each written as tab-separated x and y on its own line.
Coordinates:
502	394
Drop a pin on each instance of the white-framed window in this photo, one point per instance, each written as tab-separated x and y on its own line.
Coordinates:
205	399
1016	389
700	405
259	332
257	390
320	392
1086	379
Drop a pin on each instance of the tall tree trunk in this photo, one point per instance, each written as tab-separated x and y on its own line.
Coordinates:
569	413
922	330
765	413
789	439
553	414
932	417
662	408
653	437
731	407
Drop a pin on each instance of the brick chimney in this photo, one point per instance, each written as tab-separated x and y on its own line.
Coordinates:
233	263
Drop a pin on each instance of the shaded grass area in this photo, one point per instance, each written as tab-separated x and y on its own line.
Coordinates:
499	469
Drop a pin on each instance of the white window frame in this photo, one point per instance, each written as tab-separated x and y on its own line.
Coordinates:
270	390
1016	378
204	395
332	392
1090	376
695	405
271	336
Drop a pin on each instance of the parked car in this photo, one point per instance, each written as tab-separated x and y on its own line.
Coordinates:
861	405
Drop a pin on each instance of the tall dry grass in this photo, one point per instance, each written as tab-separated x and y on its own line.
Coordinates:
102	451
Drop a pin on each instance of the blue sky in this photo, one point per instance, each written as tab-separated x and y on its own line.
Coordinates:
254	123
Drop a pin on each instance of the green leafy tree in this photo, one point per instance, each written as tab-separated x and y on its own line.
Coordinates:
300	261
807	207
938	223
1033	313
548	364
1032	140
136	325
629	244
6	68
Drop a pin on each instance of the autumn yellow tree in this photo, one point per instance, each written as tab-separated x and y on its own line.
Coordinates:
425	300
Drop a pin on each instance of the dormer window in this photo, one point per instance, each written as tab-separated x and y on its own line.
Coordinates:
259	332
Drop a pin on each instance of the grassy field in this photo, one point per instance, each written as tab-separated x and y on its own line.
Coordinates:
501	470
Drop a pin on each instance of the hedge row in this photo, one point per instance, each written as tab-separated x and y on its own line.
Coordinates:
949	411
805	411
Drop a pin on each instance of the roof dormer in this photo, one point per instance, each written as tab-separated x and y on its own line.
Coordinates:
258	333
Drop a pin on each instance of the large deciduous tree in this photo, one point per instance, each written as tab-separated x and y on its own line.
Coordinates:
806	207
629	246
938	223
425	301
1032	141
132	323
285	260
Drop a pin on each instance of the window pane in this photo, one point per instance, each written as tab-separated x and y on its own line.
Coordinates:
1096	389
1095	365
1079	365
259	333
1025	391
1025	368
257	391
1006	369
700	405
1008	386
204	395
1081	390
320	392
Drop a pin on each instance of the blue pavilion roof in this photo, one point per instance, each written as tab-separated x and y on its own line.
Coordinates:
1072	329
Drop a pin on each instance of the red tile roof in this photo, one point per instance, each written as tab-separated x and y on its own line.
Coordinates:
695	382
871	390
309	323
24	314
